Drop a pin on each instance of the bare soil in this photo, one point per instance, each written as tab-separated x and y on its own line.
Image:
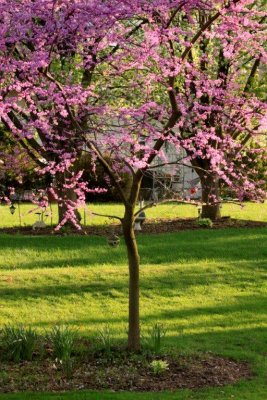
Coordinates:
119	374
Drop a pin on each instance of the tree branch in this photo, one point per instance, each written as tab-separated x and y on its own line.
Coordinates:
252	74
90	143
107	216
206	26
175	13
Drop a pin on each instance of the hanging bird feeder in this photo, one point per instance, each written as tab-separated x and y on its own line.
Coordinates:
12	209
113	240
39	224
139	221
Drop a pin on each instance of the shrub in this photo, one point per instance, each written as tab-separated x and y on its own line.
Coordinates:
159	366
205	222
18	343
4	378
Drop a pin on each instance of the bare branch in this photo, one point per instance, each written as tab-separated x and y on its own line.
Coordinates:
149	205
107	216
175	13
252	74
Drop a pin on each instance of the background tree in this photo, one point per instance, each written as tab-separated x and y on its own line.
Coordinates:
233	68
219	91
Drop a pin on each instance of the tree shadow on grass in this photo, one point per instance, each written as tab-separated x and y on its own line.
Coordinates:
249	311
58	290
163	283
181	247
239	338
184	238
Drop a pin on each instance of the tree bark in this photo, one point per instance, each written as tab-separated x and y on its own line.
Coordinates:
210	194
67	195
134	264
210	189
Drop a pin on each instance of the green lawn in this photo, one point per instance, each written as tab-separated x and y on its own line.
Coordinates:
253	211
208	288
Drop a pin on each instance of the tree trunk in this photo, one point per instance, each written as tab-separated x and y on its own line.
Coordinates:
134	263
64	196
67	195
210	194
210	189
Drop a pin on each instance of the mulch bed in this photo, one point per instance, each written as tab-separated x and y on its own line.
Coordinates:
128	374
150	227
175	225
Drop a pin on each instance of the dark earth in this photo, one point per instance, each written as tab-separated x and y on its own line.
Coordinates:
129	373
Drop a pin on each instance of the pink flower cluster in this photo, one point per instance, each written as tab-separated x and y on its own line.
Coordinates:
122	80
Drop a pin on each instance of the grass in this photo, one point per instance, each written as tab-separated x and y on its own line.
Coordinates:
208	288
251	211
227	393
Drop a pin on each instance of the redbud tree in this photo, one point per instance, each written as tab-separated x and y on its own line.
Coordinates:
121	81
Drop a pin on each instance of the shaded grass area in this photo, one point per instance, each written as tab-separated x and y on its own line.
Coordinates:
208	288
250	211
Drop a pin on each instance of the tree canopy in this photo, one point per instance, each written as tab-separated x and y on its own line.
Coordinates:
121	79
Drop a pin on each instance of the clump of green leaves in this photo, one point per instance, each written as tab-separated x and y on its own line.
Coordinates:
155	338
4	378
18	343
104	338
159	366
62	339
205	222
